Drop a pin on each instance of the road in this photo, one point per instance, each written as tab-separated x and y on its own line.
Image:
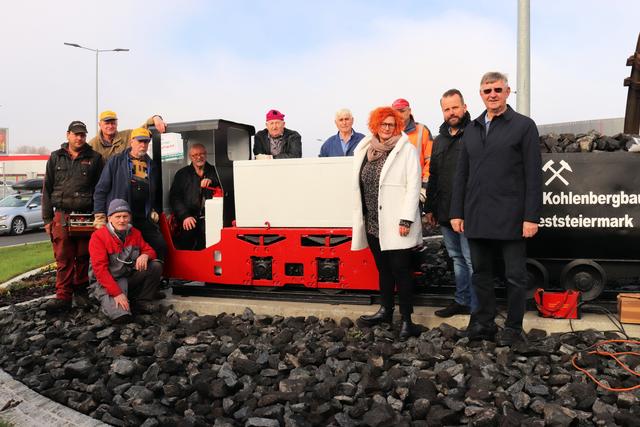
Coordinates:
28	236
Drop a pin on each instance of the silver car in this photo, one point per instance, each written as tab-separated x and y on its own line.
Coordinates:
20	212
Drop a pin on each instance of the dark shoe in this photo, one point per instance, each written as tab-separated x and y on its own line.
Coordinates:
509	337
409	329
56	305
383	315
81	297
122	320
144	307
159	295
453	309
477	332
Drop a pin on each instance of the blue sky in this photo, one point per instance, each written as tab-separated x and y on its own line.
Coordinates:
193	60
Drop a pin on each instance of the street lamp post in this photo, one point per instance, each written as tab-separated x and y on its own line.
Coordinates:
97	51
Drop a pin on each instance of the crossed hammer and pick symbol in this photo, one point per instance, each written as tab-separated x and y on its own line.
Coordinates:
556	172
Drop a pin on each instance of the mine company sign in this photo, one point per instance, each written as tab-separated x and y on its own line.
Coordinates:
591	203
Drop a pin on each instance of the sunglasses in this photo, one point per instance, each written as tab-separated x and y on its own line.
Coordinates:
494	89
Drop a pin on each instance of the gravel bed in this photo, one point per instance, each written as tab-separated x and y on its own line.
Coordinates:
181	369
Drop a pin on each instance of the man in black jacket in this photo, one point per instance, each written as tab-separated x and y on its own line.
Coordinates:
496	203
444	159
72	173
276	140
191	187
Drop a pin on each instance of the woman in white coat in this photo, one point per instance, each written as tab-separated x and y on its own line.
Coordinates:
386	218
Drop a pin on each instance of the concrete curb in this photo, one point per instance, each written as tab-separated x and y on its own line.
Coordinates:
24	275
422	315
28	408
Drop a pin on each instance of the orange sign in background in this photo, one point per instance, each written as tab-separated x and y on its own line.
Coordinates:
3	140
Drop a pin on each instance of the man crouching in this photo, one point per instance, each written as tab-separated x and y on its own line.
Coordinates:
124	266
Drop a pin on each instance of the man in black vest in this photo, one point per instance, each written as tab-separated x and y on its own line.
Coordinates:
71	176
496	203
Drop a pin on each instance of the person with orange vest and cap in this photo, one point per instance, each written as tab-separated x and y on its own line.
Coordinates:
420	136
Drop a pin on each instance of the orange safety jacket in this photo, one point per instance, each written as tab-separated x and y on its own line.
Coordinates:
420	137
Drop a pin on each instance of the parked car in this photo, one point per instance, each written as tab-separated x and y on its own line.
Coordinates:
34	184
20	212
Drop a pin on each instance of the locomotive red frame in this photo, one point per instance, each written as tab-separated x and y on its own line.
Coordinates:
255	256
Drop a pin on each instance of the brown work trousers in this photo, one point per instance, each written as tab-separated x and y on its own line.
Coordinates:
72	258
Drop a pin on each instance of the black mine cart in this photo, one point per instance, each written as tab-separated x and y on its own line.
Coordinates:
590	224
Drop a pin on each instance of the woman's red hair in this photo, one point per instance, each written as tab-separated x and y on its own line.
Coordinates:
378	115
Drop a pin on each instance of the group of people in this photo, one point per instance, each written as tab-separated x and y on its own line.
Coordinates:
484	189
480	180
113	177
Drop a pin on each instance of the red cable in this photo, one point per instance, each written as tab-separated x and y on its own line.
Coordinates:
614	356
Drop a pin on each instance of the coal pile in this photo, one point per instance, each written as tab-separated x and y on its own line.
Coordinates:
587	143
181	369
434	264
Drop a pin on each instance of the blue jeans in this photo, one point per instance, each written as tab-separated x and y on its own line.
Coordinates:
458	248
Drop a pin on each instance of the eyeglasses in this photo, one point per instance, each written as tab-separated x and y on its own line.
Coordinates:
388	125
494	89
198	154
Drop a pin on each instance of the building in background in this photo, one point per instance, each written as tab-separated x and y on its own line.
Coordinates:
18	167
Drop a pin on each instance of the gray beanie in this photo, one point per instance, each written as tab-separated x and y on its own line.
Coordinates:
118	205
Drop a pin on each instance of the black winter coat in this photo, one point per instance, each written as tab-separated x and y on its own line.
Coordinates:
69	183
292	147
186	195
498	182
115	183
442	169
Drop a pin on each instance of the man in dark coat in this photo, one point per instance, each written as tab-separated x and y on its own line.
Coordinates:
191	186
496	203
276	140
444	159
134	177
72	174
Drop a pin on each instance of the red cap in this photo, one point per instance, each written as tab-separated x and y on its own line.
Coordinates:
274	115
400	104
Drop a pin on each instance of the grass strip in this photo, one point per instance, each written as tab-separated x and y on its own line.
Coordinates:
20	259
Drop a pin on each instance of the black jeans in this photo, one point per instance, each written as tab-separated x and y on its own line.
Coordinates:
152	235
484	252
394	269
191	240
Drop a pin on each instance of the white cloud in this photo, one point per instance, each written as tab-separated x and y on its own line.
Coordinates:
45	84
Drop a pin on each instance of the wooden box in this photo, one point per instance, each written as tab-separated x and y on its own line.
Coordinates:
629	307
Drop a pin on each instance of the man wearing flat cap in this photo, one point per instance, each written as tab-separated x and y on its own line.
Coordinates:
124	267
109	142
72	173
276	140
133	176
